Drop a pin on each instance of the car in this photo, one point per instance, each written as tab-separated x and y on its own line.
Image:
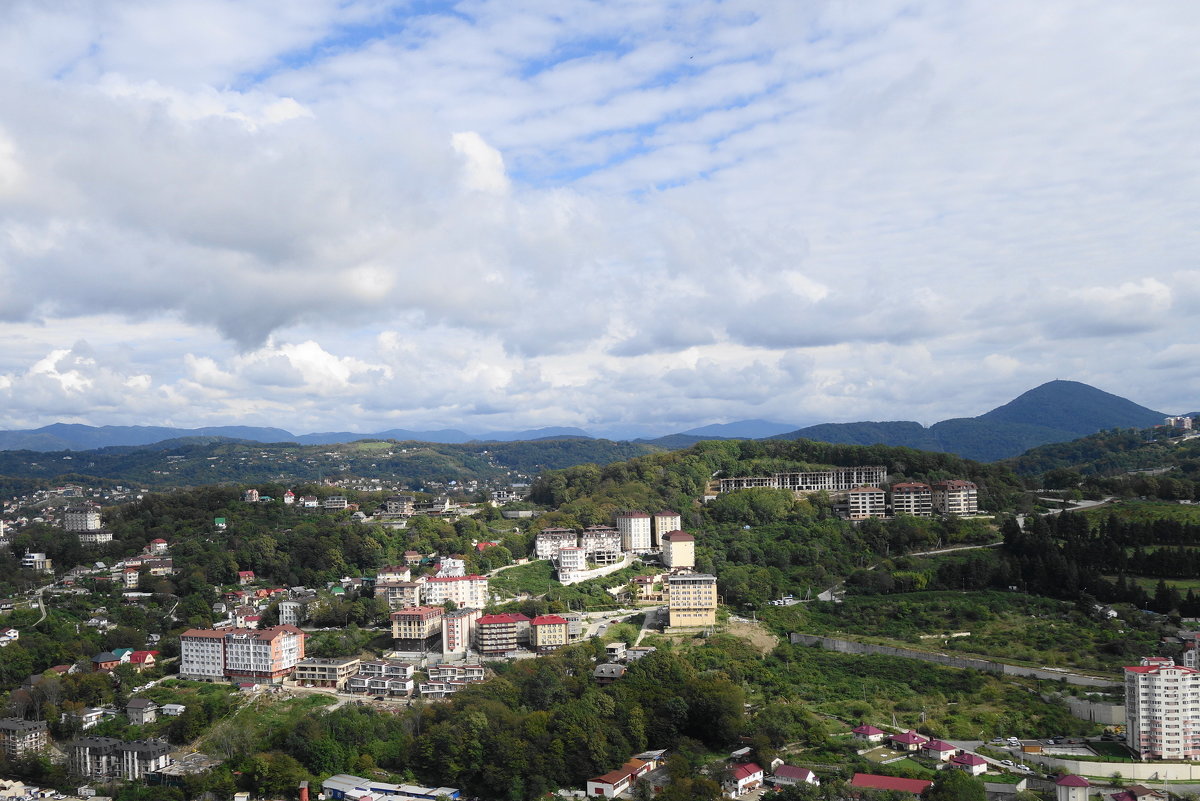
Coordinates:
380	698
1008	763
997	739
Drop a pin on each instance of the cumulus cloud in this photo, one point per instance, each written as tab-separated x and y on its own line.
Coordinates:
613	214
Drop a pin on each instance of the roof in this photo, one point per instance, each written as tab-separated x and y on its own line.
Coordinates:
793	772
473	577
745	770
106	656
547	620
869	781
140	703
868	730
609	671
938	745
1071	780
142	656
968	759
678	536
1158	667
258	634
906	486
493	620
910	738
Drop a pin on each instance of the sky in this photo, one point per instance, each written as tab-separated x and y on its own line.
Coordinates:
630	216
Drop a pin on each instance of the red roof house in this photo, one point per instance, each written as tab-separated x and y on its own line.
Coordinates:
745	777
869	733
909	740
971	763
869	781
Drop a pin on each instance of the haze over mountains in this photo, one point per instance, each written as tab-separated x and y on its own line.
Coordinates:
1057	411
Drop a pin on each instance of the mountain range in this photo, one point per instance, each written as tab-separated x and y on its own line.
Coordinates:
1057	411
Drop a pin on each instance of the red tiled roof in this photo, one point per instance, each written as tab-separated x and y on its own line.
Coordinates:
793	772
547	620
968	759
938	745
869	781
868	730
1071	780
909	738
491	620
745	771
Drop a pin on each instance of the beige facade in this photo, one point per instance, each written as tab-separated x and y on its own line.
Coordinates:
465	591
665	522
19	736
326	672
417	622
678	550
864	502
692	599
548	633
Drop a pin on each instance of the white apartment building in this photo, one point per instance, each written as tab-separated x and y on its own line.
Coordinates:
912	498
463	590
38	562
81	518
602	543
839	479
571	562
95	536
449	566
547	542
665	522
634	528
864	502
334	503
458	631
1162	709
955	497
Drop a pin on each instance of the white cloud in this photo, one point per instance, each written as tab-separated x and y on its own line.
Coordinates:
615	214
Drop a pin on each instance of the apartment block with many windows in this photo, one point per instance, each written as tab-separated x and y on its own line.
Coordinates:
242	655
1162	709
692	599
912	498
955	497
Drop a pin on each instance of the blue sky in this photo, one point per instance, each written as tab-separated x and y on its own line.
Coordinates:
629	217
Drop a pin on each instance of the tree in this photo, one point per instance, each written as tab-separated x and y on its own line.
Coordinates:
956	785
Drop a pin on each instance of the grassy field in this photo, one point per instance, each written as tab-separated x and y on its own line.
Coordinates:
534	578
1147	583
1148	511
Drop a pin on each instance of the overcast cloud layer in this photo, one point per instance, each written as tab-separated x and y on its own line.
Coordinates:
625	216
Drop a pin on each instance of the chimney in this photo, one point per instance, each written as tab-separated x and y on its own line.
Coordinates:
303	791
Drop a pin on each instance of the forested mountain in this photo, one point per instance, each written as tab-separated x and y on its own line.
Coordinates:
1056	411
192	462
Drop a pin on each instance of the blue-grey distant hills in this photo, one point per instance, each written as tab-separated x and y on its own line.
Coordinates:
78	437
742	429
1057	411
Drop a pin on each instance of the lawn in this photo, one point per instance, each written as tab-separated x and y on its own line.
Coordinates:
1148	511
534	578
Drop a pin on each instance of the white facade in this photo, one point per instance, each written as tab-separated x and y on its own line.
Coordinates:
864	502
97	536
469	591
81	518
634	528
449	566
571	562
837	480
602	543
547	542
1162	709
955	497
912	498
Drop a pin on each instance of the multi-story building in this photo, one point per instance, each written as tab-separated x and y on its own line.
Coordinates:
955	497
322	672
417	624
912	498
1162	709
452	566
292	613
459	672
95	536
864	502
244	655
84	517
19	736
634	528
250	496
602	544
109	758
1179	422
463	590
496	635
399	505
382	677
692	599
141	757
547	633
571	563
664	522
393	573
838	479
335	503
548	541
458	631
399	594
678	550
38	562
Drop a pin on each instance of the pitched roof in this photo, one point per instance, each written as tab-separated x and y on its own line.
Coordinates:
793	772
1071	780
938	745
869	781
909	737
547	620
745	770
868	730
968	759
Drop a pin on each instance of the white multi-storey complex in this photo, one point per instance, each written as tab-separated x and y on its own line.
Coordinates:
463	590
955	497
838	479
571	562
1162	709
81	518
912	498
664	522
95	536
547	542
261	656
864	502
634	528
602	543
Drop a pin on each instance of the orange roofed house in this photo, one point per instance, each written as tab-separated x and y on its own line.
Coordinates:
261	656
613	783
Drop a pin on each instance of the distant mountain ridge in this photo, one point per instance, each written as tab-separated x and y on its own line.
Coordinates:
1057	411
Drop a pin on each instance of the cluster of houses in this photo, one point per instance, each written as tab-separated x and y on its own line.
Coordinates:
394	510
913	742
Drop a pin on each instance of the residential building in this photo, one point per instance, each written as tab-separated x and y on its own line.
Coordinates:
105	660
575	625
789	774
417	624
451	566
399	505
634	528
744	778
37	562
838	479
412	558
971	763
310	502
109	758
245	577
938	750
399	594
393	573
548	633
602	544
614	783
664	522
96	536
678	550
289	498
84	517
572	562
382	677
459	672
1071	788
142	757
158	547
955	497
254	655
692	599
18	737
292	613
865	502
458	631
608	673
912	498
869	781
496	635
143	660
909	741
141	711
868	733
1179	422
1162	709
326	672
548	541
335	503
250	496
469	590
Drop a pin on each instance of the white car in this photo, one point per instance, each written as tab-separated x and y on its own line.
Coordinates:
1008	763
